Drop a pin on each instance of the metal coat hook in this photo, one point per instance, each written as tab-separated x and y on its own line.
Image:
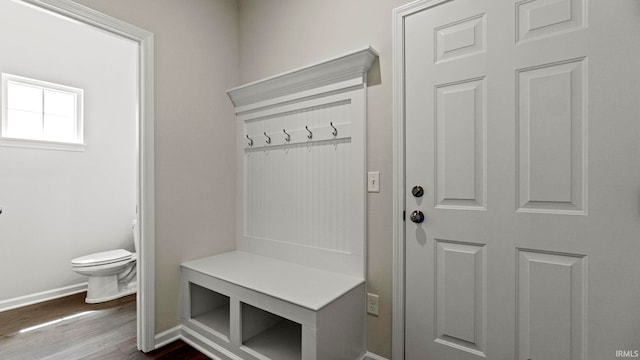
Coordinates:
250	140
288	138
268	138
310	136
335	131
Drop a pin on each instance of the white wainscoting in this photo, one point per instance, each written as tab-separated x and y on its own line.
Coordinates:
302	164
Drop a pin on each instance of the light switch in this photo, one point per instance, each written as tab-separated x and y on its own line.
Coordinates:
373	181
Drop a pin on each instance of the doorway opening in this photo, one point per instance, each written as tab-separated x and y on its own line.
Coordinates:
142	100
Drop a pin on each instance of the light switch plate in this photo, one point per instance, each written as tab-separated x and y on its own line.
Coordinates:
373	181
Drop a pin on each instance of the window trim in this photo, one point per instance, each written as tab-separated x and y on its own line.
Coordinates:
38	143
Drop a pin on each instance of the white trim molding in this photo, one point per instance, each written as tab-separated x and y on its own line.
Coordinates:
31	299
372	356
168	336
41	144
397	341
145	184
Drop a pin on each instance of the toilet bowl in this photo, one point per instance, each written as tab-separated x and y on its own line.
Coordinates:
111	274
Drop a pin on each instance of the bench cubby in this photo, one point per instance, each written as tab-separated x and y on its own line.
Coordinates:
210	309
269	334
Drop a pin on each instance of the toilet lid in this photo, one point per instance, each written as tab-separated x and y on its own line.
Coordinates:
102	258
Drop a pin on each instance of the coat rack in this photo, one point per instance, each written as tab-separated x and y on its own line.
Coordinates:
298	136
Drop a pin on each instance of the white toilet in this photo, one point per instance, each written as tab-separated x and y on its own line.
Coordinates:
112	274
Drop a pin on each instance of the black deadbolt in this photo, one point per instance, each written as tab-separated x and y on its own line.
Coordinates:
417	191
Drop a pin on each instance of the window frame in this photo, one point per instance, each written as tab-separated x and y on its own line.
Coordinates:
79	145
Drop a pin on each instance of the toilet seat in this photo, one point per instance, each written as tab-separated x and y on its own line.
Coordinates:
103	258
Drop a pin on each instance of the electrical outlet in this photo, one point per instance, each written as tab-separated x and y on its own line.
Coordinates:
372	304
373	181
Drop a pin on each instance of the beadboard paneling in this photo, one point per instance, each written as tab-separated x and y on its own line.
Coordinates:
302	166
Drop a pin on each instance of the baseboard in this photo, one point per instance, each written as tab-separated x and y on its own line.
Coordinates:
194	339
210	348
372	356
206	346
168	336
31	299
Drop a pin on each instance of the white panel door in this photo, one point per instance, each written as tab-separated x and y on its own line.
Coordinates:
522	126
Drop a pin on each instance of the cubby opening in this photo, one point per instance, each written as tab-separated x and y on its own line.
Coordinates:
210	308
271	335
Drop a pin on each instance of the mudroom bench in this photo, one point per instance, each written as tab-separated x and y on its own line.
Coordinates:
294	288
248	306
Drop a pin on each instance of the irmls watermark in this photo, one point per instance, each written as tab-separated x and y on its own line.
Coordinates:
628	353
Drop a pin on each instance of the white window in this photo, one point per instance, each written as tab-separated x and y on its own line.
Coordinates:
41	114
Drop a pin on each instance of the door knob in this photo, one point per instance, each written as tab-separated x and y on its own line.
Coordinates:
417	191
417	216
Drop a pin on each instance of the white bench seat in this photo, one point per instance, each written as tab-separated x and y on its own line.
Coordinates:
239	305
301	285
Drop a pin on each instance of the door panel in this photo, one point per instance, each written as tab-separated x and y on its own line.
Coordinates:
460	139
461	295
521	124
540	18
551	124
460	38
552	308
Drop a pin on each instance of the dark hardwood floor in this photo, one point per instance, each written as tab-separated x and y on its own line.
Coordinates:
76	330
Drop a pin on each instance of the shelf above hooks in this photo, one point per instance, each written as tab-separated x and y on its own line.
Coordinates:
348	66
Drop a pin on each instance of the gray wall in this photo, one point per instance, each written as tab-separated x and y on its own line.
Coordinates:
59	205
278	35
196	60
204	47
